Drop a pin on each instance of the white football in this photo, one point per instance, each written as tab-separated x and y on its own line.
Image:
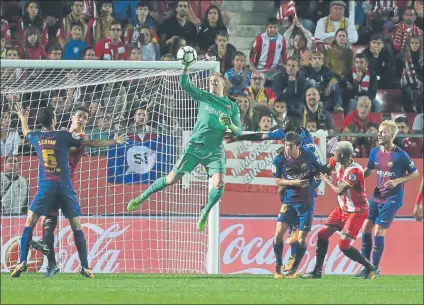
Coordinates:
187	55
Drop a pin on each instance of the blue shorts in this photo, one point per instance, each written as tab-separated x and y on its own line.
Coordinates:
297	213
383	214
56	195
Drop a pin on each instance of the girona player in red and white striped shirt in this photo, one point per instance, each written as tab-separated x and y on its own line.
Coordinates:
349	215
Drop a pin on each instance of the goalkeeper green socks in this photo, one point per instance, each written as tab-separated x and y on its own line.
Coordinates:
214	195
157	186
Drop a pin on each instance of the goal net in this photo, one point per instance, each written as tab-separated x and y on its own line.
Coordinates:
142	100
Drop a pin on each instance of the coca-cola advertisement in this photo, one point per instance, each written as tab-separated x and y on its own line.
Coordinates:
173	245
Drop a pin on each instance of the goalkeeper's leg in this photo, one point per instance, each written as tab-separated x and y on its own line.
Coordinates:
187	162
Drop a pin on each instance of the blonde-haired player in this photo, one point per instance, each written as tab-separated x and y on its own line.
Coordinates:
390	164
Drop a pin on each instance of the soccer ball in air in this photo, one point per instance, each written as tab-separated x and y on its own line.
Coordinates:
187	55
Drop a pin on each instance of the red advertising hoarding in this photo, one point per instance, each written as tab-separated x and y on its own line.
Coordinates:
173	245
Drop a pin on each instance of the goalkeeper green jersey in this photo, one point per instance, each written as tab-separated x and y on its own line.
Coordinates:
207	130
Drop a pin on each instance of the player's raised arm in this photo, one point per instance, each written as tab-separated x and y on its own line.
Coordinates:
104	143
23	116
188	87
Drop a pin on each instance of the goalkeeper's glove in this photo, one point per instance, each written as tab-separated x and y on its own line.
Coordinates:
185	68
226	120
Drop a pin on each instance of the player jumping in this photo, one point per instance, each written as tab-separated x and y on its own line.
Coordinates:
54	183
391	163
46	246
216	114
292	122
294	168
349	215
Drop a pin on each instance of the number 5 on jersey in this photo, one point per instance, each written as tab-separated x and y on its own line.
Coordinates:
50	161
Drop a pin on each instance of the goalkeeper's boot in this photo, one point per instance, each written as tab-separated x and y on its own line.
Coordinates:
372	273
39	246
278	274
287	267
294	235
22	267
86	272
135	202
363	274
311	275
203	220
51	271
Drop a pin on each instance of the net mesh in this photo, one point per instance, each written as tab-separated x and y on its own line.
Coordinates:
148	106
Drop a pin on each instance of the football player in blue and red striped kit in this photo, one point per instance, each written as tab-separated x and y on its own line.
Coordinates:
54	183
393	167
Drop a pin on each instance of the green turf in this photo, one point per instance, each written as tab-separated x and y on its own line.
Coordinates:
184	289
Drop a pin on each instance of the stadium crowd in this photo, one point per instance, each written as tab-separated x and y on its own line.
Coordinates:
346	65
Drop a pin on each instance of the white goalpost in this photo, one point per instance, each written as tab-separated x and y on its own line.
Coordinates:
144	101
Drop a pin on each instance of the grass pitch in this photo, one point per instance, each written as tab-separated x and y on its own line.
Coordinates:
34	288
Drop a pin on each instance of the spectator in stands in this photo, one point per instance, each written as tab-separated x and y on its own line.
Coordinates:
5	28
339	58
10	139
314	112
54	52
413	146
289	85
269	48
141	130
178	26
132	31
65	30
360	81
257	92
222	51
31	47
332	143
327	26
32	17
361	116
89	54
12	53
14	189
148	45
311	126
98	28
412	72
178	43
3	46
112	48
168	57
320	77
200	8
265	122
75	46
299	42
404	29
134	53
418	125
62	104
306	12
239	76
246	112
279	111
211	25
381	62
114	100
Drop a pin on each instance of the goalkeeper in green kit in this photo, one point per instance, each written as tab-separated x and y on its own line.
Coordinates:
216	115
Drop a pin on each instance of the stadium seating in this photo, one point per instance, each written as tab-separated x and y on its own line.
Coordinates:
390	100
338	118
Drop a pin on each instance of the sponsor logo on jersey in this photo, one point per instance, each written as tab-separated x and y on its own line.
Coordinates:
385	173
352	177
76	136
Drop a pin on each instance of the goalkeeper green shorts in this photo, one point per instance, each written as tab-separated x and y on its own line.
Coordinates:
212	159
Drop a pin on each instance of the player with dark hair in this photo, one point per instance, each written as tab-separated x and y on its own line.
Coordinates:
292	122
294	168
46	246
54	183
391	164
350	213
